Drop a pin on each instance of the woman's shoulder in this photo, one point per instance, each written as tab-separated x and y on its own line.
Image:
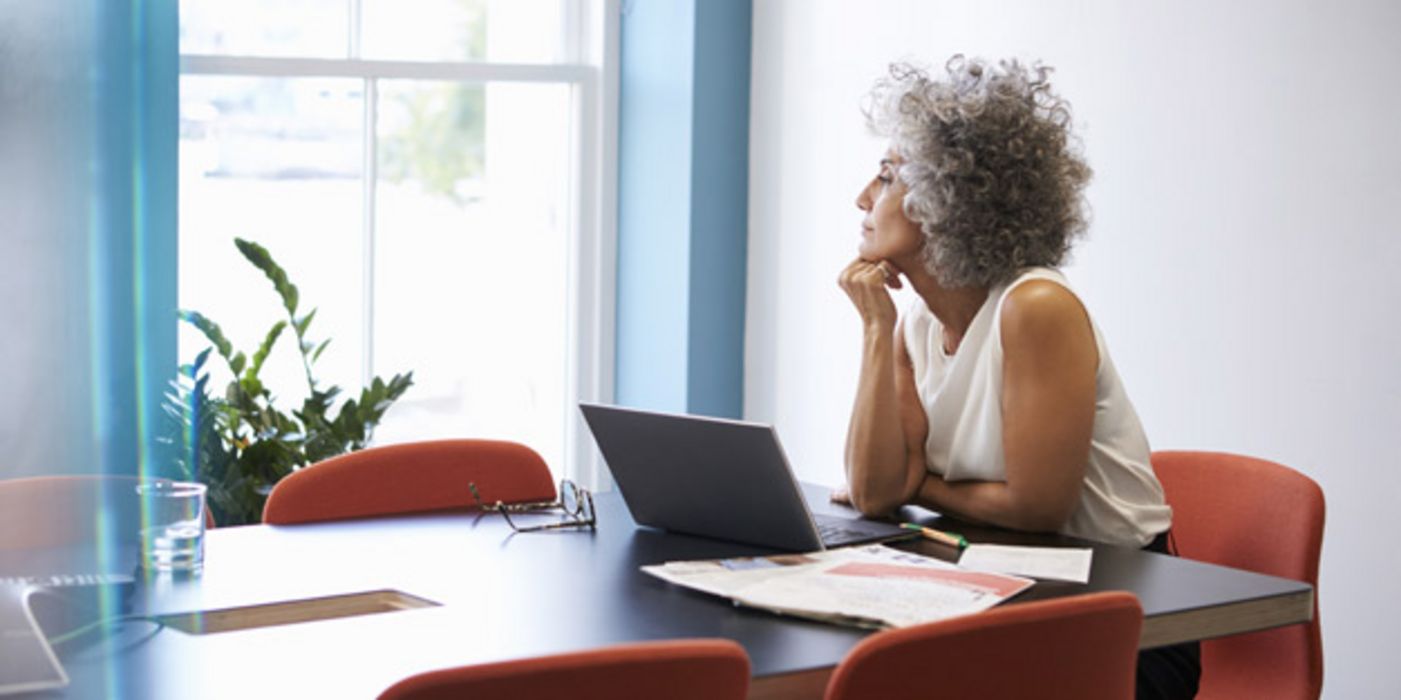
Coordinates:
1038	309
1040	297
1035	277
1039	292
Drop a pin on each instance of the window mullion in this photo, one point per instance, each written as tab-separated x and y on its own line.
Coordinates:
461	71
571	32
370	175
352	44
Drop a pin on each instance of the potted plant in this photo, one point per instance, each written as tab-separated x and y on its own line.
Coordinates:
239	443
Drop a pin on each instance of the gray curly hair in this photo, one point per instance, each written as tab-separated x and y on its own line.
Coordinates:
992	171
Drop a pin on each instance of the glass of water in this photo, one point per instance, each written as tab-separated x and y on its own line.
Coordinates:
172	525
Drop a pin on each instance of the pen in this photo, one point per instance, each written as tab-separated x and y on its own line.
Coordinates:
951	539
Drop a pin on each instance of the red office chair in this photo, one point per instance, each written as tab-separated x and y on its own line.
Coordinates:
1082	647
58	511
1265	517
410	478
695	669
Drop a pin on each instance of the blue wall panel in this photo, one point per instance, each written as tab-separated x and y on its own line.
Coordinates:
654	184
683	205
719	208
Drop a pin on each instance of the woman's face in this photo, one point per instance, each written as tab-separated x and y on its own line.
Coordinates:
886	233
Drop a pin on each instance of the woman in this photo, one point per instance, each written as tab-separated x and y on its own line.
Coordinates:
992	397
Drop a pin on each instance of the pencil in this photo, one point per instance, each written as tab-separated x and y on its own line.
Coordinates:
949	538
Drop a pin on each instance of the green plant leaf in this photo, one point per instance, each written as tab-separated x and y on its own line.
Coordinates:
250	386
304	322
211	331
349	422
262	259
198	364
261	355
237	363
399	384
320	349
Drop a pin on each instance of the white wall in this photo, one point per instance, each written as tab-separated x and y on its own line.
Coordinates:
1241	260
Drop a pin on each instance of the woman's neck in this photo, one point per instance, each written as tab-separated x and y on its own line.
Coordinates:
955	307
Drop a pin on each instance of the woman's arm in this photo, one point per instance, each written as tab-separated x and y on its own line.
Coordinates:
878	464
1049	365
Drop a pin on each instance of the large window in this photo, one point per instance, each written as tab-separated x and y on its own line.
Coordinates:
432	174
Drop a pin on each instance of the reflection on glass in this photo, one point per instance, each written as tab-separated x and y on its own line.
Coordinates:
471	259
276	161
298	28
510	31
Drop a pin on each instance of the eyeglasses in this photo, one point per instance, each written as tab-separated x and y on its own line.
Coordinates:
575	502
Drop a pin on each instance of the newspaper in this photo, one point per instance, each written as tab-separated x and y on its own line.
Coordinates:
872	586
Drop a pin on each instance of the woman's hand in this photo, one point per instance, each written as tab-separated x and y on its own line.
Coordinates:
885	438
866	283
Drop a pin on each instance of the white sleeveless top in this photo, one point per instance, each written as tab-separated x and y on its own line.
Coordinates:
1121	501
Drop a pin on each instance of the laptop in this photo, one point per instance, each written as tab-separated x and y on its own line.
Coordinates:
717	478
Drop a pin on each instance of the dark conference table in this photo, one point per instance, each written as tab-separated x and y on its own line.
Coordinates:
501	595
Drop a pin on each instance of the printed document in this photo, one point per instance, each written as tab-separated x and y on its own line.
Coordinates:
1056	563
872	586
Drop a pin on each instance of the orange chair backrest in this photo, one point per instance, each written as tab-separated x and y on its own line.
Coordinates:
1252	514
410	478
694	669
1083	647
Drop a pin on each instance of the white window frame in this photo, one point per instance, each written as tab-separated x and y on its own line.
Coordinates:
591	44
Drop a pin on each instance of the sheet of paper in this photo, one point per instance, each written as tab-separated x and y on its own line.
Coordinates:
1055	563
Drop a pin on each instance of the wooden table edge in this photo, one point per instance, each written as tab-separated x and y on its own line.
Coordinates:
784	686
1230	618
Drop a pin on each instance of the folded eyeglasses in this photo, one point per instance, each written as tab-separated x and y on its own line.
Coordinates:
576	504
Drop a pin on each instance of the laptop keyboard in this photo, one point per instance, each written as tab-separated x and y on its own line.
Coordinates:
832	533
836	531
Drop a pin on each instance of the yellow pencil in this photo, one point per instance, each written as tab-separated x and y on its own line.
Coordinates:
949	538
